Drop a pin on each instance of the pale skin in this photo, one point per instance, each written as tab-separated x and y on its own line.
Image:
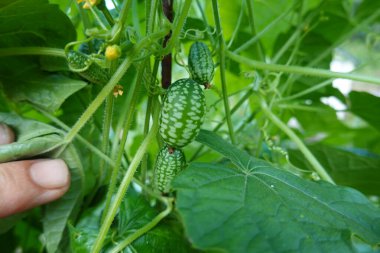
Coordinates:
29	183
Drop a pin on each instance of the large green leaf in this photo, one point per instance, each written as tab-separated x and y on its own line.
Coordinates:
33	138
22	25
259	208
33	23
346	168
366	107
45	91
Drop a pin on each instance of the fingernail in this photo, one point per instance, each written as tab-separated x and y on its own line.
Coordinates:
50	174
6	134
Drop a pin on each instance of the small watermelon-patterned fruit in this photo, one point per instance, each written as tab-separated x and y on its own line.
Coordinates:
85	67
169	163
182	113
201	65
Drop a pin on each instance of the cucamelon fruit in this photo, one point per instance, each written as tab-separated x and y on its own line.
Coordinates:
169	163
85	67
200	64
182	113
93	46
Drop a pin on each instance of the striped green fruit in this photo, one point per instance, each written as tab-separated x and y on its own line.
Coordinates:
182	113
201	65
169	163
86	68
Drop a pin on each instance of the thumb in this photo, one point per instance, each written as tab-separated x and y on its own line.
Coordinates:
29	183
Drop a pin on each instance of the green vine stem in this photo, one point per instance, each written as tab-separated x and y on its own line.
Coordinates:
107	121
178	25
222	63
307	91
302	70
305	151
132	98
146	228
103	8
87	144
253	40
166	61
258	47
209	31
118	27
106	127
108	88
144	163
237	25
95	104
10	51
151	6
125	184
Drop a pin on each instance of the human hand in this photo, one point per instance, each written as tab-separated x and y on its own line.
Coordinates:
29	183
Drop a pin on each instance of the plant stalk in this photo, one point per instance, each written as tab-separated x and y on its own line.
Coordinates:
133	95
178	25
124	186
222	62
302	147
302	70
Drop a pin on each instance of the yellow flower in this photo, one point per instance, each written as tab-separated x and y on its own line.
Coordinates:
87	3
113	52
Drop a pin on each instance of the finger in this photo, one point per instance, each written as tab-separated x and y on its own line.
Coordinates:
6	134
29	183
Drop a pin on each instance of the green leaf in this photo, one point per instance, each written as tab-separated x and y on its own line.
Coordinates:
33	138
82	240
259	208
84	234
167	236
22	25
134	213
60	211
8	222
366	107
265	14
45	91
346	168
33	23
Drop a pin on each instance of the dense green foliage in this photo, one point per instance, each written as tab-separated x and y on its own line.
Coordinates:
288	157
